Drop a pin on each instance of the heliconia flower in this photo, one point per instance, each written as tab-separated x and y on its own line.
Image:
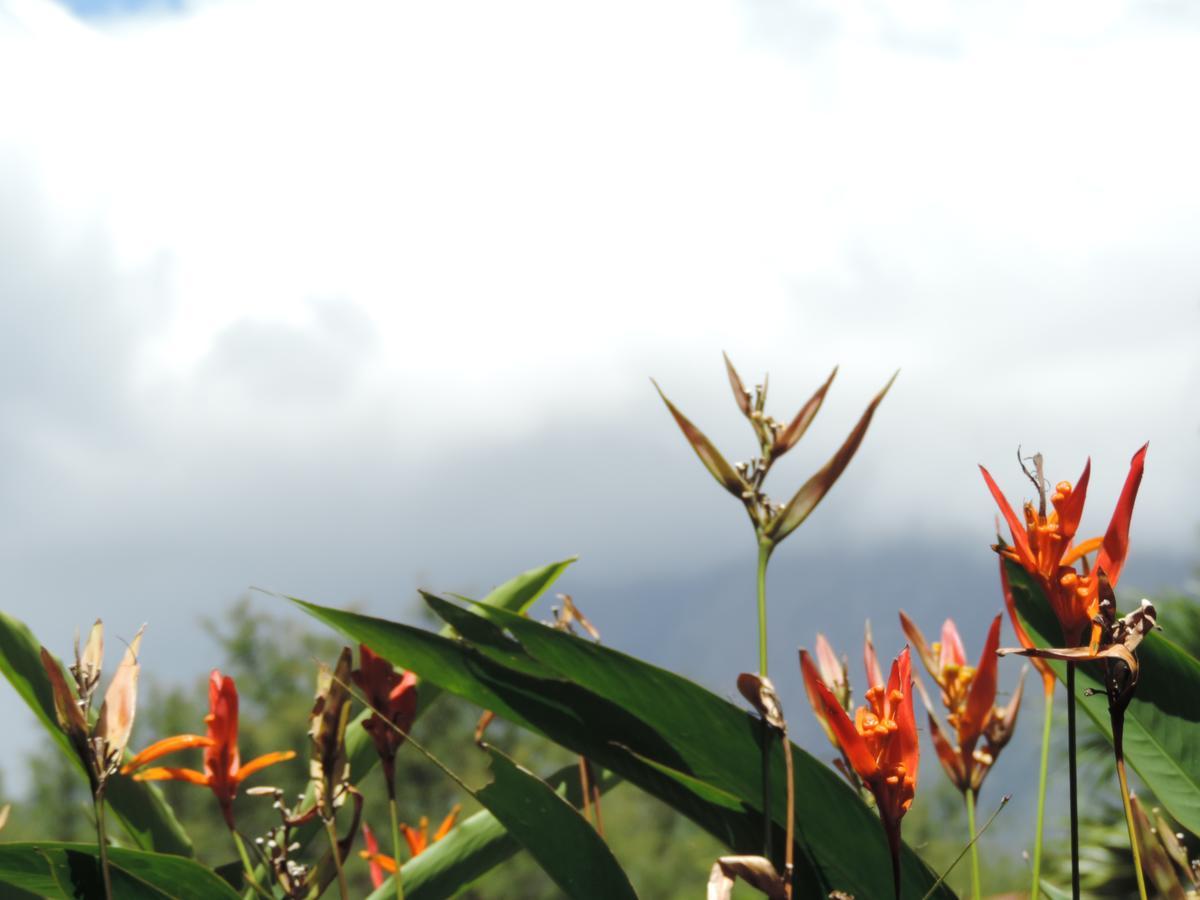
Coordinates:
832	673
223	771
372	855
1043	544
880	742
392	693
418	838
969	696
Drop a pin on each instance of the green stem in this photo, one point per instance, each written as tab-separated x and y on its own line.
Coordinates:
396	846
1133	841
331	830
246	864
1072	778
976	891
1041	807
102	840
764	555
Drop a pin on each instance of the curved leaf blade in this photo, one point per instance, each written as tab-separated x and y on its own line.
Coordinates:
1160	722
57	869
675	724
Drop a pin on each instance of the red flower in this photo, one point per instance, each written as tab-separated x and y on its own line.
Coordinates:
223	771
394	695
418	842
881	741
1043	546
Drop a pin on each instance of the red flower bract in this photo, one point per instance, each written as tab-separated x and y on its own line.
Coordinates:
881	741
1044	546
392	694
223	771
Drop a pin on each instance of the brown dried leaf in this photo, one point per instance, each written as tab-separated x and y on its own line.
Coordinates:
721	470
329	766
1155	861
571	613
740	394
4	811
790	436
756	871
812	491
120	702
760	693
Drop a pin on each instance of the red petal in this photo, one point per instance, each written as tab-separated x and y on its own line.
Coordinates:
1015	525
1116	540
870	660
952	647
1070	512
982	696
903	746
811	680
848	738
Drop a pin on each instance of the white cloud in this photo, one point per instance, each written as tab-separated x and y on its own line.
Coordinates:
273	256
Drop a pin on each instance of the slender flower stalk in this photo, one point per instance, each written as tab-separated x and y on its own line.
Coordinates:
1117	647
976	890
772	522
980	728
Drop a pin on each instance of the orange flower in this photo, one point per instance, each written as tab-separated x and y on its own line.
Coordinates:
1043	546
418	842
418	838
223	771
392	693
880	742
969	695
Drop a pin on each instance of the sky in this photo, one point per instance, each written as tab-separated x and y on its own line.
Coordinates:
342	299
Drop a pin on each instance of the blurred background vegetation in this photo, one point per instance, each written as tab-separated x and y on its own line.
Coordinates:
274	662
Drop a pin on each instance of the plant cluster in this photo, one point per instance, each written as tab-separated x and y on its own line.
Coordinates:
791	826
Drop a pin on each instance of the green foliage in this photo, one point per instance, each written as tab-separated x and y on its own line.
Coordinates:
67	871
1161	721
644	723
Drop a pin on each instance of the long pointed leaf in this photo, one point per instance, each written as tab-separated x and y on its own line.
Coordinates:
473	848
64	870
721	470
814	490
644	713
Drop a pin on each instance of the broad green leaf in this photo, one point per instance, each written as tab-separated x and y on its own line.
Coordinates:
564	843
140	807
473	848
65	870
1161	721
515	595
622	713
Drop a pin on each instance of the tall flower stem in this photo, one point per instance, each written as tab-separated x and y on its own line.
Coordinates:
397	879
331	830
251	879
1133	841
1073	780
102	841
764	555
1041	808
976	891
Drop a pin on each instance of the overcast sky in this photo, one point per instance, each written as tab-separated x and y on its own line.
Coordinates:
339	298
